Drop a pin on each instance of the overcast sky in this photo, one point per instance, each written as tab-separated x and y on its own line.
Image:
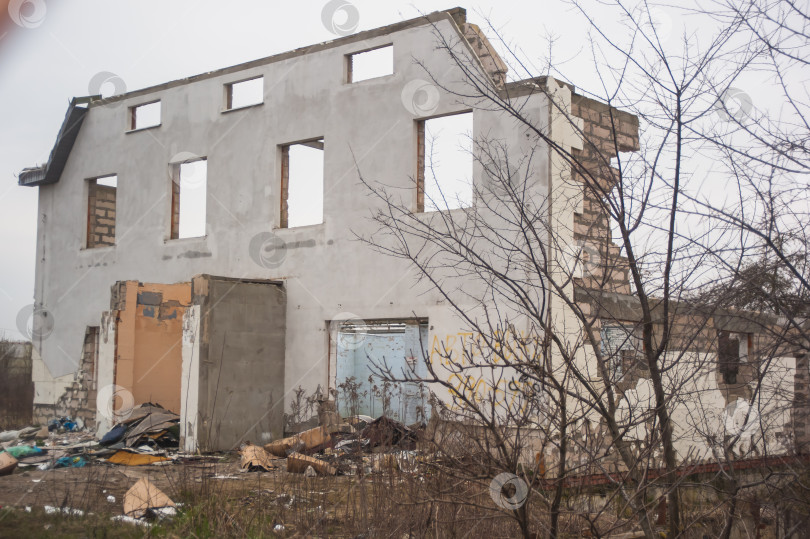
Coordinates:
147	42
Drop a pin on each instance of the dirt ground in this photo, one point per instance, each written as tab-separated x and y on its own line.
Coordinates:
98	489
87	488
216	499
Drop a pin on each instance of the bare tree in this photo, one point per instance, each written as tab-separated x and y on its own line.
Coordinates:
598	301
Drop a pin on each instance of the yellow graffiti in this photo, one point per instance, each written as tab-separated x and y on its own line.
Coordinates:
468	350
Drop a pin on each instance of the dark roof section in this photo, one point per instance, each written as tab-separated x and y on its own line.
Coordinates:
51	171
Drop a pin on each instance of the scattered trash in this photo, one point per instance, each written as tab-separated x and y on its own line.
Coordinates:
352	445
63	424
111	499
278	528
308	440
50	510
77	461
298	463
130	520
360	420
114	435
21	451
407	461
286	500
310	472
388	432
254	458
7	464
152	422
383	462
145	498
23	434
130	458
48	456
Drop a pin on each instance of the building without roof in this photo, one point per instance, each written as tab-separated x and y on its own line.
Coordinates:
197	240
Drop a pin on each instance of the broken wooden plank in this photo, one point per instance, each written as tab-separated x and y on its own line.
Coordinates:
298	463
308	439
254	457
7	463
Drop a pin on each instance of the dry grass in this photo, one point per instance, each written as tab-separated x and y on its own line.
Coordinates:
253	504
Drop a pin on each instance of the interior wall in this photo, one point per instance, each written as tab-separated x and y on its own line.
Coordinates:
362	354
150	332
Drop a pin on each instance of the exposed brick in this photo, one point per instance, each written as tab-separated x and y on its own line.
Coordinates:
101	215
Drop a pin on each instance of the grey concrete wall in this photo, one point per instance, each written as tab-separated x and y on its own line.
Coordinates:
241	376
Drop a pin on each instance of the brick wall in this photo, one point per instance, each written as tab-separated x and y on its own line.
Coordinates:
79	400
605	130
801	404
101	215
604	288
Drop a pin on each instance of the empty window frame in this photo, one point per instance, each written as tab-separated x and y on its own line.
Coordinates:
101	195
189	198
621	346
361	347
244	93
143	116
732	350
444	163
370	64
302	184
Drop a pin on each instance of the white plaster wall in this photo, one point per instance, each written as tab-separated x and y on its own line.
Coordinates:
47	388
326	271
190	381
704	419
105	394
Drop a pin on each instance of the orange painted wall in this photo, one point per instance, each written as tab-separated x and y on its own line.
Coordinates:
149	348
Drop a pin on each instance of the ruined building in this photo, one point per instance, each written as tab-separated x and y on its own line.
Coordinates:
183	258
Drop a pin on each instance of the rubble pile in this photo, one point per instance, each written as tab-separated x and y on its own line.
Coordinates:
358	445
149	435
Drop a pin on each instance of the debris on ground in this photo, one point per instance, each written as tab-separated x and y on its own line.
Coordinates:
388	432
27	433
152	425
76	461
298	463
145	498
131	520
311	439
63	424
132	458
22	451
50	510
356	445
254	458
7	464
